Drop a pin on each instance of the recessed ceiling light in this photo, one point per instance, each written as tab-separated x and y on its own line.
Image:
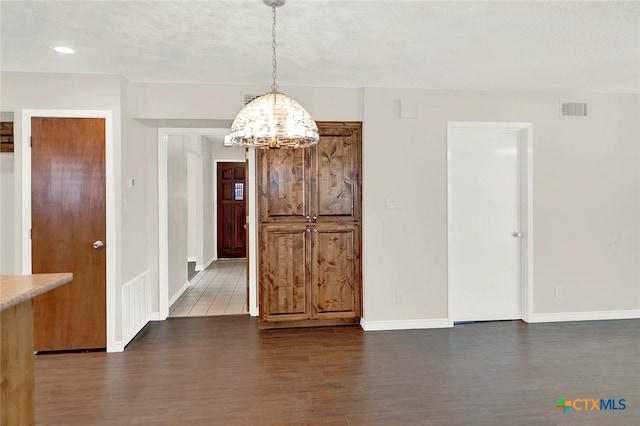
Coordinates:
64	49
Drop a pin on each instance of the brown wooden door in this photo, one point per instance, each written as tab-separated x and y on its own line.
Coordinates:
232	216
313	194
335	271
68	215
284	257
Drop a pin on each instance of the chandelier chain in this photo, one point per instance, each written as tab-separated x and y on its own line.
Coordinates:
274	61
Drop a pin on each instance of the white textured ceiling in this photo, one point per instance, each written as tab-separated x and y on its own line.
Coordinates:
513	45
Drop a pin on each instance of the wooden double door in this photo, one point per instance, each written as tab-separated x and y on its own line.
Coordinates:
309	207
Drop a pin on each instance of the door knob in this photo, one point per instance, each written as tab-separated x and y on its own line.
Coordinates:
98	245
517	234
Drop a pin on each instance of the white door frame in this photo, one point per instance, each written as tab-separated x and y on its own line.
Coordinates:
111	242
526	208
163	220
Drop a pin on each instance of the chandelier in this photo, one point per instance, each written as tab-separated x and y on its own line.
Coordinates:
274	120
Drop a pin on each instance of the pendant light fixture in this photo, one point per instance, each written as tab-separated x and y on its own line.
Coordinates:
274	120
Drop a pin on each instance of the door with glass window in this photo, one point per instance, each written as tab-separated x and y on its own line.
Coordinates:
232	192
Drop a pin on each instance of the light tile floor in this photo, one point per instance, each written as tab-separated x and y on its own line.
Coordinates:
221	289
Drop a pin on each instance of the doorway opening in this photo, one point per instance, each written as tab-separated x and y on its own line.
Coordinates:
214	277
222	287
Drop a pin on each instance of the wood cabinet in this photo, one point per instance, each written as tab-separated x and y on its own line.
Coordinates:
309	208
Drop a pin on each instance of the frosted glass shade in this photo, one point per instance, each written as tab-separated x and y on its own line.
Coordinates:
274	120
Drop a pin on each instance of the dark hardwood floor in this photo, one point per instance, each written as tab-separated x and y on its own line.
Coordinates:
224	371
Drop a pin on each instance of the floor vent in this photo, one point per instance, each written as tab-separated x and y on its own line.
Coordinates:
574	109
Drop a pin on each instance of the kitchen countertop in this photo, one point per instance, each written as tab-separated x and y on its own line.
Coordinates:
15	289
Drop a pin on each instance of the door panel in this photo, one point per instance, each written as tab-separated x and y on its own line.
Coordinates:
335	271
485	256
68	215
231	210
283	193
335	175
284	272
335	189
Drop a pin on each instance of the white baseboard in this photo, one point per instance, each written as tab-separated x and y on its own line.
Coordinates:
403	324
178	293
206	265
192	259
585	316
118	346
155	316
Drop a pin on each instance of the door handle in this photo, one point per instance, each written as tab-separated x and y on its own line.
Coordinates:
98	245
517	234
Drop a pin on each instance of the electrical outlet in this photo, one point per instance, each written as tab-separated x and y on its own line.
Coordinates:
558	292
400	297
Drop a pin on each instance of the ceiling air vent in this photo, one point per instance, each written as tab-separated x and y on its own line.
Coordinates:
249	98
574	109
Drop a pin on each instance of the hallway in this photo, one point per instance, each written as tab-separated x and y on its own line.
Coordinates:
221	289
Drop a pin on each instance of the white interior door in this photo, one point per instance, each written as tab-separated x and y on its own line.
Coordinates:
484	229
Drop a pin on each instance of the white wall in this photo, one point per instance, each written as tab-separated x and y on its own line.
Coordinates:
139	205
152	217
216	102
586	182
208	201
45	91
177	213
7	210
57	91
586	199
194	199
